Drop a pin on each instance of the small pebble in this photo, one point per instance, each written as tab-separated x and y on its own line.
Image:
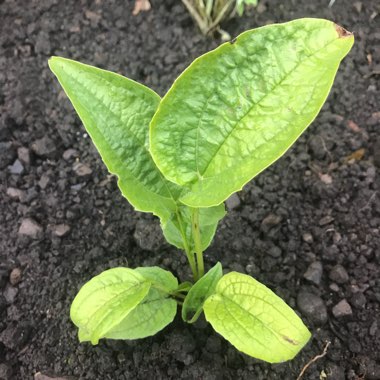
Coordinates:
326	220
312	306
15	276
10	294
314	273
338	274
354	346
43	182
23	155
61	230
16	168
15	194
334	287
271	220
342	309
373	328
317	148
233	202
44	147
358	5
70	153
307	237
82	170
326	179
358	300
31	228
275	251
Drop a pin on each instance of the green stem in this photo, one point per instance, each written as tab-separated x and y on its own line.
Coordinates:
197	242
189	254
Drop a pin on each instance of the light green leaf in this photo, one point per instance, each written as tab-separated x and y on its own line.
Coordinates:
237	109
155	312
104	301
200	291
254	319
116	112
179	225
160	278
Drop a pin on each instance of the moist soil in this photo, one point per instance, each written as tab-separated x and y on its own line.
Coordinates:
308	227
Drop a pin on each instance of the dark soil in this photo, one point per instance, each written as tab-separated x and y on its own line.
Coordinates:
308	227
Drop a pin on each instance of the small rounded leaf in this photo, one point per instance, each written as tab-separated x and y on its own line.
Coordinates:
104	301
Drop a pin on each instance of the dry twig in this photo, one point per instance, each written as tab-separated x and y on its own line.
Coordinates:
314	360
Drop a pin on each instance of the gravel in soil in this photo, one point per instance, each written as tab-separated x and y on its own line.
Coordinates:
308	227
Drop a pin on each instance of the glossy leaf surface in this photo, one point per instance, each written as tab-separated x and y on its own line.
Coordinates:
200	291
116	112
254	319
104	301
237	109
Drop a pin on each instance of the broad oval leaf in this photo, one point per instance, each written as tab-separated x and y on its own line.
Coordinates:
254	319
116	113
177	229
237	109
155	311
104	301
199	292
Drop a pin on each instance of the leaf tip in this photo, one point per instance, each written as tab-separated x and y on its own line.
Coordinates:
52	61
343	33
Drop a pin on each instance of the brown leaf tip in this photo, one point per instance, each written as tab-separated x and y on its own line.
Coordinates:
342	33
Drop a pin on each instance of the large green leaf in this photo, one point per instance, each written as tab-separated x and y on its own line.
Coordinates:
237	109
104	301
116	112
178	227
152	314
199	292
254	319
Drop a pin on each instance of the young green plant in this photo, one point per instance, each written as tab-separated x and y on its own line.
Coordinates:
227	117
208	14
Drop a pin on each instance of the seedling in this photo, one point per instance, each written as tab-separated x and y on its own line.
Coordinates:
208	14
229	115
